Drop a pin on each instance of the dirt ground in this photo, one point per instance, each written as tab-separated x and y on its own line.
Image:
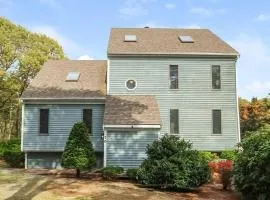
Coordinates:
18	184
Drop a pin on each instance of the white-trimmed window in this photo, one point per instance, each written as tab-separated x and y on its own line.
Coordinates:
131	84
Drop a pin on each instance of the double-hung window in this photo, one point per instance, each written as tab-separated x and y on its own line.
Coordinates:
216	118
87	119
44	121
173	76
216	83
174	121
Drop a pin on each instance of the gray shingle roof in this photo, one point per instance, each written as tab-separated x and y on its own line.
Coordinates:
50	82
166	41
131	110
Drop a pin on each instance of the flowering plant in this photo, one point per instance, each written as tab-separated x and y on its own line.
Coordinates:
221	165
224	167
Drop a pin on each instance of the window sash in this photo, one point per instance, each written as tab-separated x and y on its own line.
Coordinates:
87	119
216	83
174	121
173	76
44	121
216	118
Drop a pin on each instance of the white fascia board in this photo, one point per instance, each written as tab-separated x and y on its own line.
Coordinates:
132	126
108	76
22	127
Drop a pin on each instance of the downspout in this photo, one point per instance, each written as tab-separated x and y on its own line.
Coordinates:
237	105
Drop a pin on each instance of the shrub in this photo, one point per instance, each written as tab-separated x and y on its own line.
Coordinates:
78	153
251	167
10	151
209	156
132	173
110	172
14	158
228	155
173	164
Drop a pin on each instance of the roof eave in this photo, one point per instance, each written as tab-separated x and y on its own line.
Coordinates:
192	54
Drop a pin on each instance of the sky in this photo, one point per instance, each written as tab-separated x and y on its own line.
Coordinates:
82	27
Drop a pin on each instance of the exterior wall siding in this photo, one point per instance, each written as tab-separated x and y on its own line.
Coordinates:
127	148
61	120
195	97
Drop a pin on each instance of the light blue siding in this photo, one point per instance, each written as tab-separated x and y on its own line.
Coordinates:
61	120
195	97
127	148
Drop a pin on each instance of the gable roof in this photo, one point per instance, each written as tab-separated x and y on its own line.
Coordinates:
50	82
131	110
163	41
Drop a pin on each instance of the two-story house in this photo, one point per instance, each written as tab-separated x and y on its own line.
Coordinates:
154	82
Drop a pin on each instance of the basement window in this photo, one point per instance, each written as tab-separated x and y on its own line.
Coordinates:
130	38
186	39
73	76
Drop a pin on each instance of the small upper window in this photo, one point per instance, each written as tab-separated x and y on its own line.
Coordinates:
130	38
173	76
131	84
186	39
73	76
216	83
44	121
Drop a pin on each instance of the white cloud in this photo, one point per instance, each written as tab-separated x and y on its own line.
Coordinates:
72	48
170	6
193	26
263	17
51	3
253	66
207	12
85	57
152	24
133	8
201	11
258	86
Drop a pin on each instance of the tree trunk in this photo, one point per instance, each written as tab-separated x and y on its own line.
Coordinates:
78	173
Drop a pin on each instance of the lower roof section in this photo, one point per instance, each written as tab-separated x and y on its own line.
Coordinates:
131	110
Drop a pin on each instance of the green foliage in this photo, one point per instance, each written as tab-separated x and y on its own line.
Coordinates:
110	172
11	153
172	163
251	166
228	154
132	173
78	153
209	156
21	55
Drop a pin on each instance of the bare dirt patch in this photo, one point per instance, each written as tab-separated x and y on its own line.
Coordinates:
22	185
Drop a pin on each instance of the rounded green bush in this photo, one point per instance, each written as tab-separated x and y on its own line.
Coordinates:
111	172
132	173
228	155
209	156
252	166
173	164
10	151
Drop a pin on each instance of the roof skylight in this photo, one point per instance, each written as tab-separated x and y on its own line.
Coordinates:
186	39
73	76
130	38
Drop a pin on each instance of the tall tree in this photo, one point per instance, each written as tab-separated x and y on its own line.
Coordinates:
254	114
21	55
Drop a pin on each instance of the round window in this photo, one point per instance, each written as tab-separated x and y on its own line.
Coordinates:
131	84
